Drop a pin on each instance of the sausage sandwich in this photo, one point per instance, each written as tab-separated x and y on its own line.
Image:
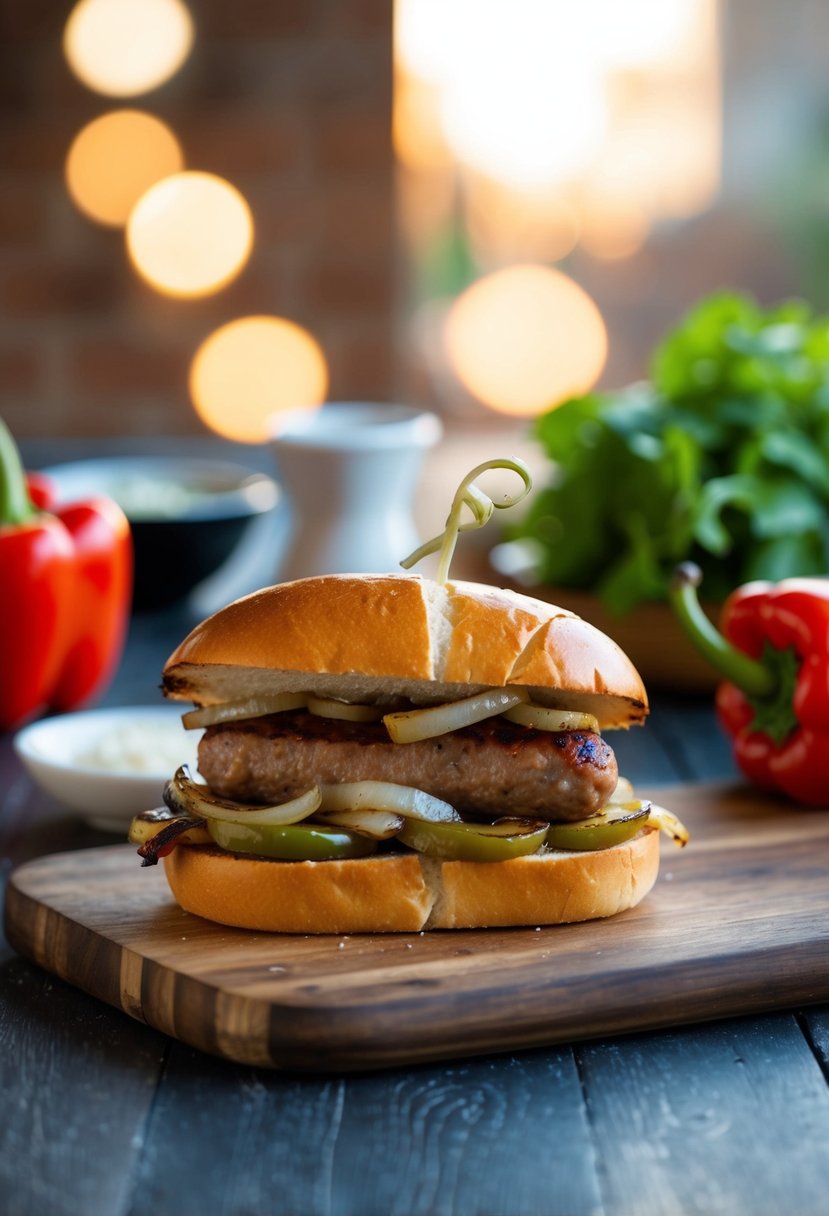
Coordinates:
388	753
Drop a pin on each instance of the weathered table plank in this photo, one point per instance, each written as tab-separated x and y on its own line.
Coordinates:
733	1119
481	1137
815	1023
78	1083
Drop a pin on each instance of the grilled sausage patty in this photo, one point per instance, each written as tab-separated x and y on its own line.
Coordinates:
491	769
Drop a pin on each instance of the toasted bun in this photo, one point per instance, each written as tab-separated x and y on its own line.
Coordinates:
408	892
374	637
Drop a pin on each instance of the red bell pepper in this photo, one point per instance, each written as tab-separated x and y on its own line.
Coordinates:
66	579
774	701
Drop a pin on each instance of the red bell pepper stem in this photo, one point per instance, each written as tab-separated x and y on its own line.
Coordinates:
753	678
16	506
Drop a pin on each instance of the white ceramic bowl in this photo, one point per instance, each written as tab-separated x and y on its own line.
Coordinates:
108	764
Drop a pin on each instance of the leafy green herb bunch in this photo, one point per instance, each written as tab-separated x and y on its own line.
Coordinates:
722	457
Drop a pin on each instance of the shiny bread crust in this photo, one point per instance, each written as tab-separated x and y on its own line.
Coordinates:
377	637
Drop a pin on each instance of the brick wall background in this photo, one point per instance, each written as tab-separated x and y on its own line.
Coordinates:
290	100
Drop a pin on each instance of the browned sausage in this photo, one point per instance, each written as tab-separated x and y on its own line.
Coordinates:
492	769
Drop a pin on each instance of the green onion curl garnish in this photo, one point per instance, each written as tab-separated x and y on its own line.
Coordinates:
481	507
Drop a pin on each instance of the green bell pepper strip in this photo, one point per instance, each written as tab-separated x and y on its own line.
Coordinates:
293	842
471	841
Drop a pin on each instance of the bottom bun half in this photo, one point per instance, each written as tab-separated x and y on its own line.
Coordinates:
407	892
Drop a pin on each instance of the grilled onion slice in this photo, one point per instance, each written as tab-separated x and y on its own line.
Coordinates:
379	825
668	823
187	797
404	800
542	717
148	824
251	707
415	724
343	711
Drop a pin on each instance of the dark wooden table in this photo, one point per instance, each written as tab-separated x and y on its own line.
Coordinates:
102	1115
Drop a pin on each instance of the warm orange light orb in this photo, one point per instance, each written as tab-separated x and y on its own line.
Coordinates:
525	338
190	234
114	159
125	47
613	228
253	368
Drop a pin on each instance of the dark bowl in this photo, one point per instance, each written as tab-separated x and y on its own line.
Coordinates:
187	516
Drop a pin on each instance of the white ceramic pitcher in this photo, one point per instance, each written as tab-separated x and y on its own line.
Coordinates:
349	471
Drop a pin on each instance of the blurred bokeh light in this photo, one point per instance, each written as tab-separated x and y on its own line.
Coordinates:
252	369
190	234
525	338
114	159
612	226
122	48
526	109
368	242
616	107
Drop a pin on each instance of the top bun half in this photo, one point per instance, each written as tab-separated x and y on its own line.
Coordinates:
373	638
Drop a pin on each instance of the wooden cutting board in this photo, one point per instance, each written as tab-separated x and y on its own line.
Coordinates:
738	922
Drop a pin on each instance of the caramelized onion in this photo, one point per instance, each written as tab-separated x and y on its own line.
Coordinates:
187	797
542	717
343	711
148	824
668	823
379	825
415	724
251	707
403	800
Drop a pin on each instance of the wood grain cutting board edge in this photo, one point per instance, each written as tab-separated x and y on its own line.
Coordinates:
738	922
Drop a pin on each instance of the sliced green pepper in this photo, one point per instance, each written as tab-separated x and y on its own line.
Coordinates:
293	842
472	841
601	831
